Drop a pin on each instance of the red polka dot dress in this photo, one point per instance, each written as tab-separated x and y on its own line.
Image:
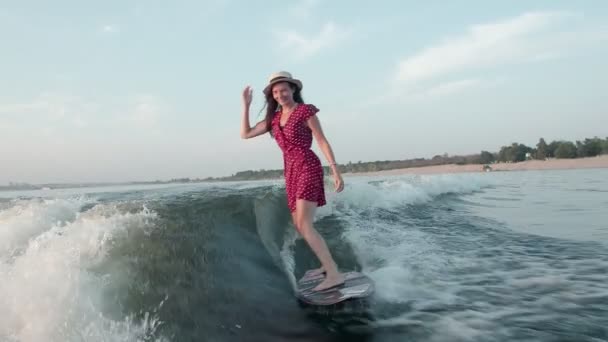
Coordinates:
302	168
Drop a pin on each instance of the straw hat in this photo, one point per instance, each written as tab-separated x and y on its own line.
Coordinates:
281	76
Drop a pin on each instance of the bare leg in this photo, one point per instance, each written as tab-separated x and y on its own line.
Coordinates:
304	218
314	272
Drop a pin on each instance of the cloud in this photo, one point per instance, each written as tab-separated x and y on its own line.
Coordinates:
303	8
143	111
50	111
308	46
406	94
146	110
14	108
48	108
527	37
110	29
450	88
449	66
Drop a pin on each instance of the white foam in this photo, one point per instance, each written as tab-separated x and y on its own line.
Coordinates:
451	329
371	193
398	258
47	292
25	219
430	272
389	251
288	254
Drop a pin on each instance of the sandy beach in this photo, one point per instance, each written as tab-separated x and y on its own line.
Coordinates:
550	164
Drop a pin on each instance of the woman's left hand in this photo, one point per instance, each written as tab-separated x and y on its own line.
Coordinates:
338	182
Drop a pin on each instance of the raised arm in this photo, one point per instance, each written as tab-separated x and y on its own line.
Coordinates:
247	131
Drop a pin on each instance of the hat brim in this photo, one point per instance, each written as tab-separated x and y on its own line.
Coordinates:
294	81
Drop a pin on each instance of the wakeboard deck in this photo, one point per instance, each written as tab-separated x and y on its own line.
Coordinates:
356	285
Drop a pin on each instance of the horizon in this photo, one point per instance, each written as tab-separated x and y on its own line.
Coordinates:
220	177
123	92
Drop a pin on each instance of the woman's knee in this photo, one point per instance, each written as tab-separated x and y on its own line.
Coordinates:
304	223
303	215
300	224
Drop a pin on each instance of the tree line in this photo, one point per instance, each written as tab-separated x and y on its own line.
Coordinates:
515	152
560	149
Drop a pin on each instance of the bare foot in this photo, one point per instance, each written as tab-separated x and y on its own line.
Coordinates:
330	281
316	272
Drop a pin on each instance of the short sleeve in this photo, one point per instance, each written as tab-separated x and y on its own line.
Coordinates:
308	111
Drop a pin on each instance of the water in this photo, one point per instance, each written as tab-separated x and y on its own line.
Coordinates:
473	257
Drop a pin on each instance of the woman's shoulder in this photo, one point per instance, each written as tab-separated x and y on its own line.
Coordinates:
309	107
307	110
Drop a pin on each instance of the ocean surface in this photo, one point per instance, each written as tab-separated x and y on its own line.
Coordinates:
502	256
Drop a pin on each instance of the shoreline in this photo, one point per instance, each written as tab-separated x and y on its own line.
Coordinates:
549	164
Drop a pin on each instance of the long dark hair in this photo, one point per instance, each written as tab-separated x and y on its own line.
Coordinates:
272	105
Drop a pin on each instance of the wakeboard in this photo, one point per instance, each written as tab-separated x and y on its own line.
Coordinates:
356	285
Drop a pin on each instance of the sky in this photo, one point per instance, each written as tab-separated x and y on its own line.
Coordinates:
139	90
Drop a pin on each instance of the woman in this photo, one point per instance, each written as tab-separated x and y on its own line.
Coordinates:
293	125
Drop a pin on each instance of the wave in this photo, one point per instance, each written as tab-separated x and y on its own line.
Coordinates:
49	294
87	259
363	193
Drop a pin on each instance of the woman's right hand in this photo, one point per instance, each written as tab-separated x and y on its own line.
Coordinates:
247	96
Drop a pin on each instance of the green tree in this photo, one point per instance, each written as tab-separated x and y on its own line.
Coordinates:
541	149
506	154
486	157
589	147
520	151
514	153
551	148
566	149
605	146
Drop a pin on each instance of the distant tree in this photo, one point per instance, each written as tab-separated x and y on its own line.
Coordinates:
551	148
566	149
520	151
541	149
605	146
589	147
580	149
486	157
505	154
514	153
